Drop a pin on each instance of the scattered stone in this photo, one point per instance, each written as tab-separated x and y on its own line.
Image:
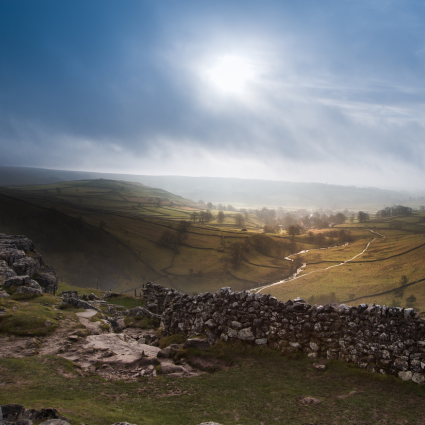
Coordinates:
319	366
122	423
171	368
55	422
351	393
310	400
209	423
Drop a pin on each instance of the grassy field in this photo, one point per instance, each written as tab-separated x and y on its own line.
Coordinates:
117	226
392	253
261	387
134	217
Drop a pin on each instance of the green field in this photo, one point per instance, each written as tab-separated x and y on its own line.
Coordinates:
109	232
129	219
392	253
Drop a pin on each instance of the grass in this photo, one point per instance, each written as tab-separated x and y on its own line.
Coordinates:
379	269
140	322
126	301
130	215
27	319
261	388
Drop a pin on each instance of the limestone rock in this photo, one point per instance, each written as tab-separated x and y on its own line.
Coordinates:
4	294
16	281
198	343
405	376
310	400
246	335
319	366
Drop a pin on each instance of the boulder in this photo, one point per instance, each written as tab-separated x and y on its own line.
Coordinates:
76	303
246	335
55	422
49	281
28	290
16	413
5	270
27	266
4	294
16	281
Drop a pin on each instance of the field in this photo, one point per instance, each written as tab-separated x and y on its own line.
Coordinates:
128	220
392	248
112	233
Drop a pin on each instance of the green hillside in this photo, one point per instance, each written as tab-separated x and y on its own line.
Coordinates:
397	249
205	256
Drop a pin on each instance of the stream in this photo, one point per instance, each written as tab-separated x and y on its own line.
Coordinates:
299	270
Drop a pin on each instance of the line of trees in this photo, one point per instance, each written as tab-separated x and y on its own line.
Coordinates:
397	210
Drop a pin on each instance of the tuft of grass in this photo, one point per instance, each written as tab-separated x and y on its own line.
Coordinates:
126	301
172	339
28	319
140	322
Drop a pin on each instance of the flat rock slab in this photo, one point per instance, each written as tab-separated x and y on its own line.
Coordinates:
125	349
87	313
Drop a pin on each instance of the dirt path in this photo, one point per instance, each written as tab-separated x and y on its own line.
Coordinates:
296	274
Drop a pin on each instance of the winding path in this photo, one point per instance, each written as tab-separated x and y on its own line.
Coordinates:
295	275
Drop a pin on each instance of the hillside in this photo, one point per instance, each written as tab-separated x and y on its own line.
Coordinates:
83	255
206	256
241	192
389	249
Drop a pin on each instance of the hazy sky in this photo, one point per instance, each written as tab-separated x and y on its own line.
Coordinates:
326	91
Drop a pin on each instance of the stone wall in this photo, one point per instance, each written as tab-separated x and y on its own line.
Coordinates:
380	339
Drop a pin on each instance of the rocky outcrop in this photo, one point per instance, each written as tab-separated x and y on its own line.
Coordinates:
377	338
16	414
21	265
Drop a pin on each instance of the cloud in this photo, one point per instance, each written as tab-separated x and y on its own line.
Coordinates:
336	93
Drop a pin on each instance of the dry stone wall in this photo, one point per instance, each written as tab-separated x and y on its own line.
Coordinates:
377	338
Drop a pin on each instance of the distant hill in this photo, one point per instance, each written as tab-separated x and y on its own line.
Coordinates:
238	192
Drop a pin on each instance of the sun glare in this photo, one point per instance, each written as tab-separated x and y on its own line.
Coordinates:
231	74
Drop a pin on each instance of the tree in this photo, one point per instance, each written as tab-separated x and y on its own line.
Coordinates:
294	229
403	280
194	216
208	216
168	239
239	220
210	205
410	300
362	216
220	217
269	229
237	251
340	218
182	229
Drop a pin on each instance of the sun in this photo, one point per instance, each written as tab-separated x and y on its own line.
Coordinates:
230	74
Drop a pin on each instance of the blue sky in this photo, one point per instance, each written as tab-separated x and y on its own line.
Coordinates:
329	91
